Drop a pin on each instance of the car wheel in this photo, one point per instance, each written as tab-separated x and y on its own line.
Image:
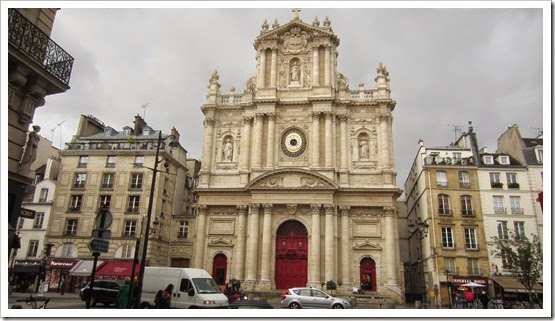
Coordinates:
145	305
294	305
93	302
337	306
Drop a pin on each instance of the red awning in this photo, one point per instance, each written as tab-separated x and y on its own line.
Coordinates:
117	268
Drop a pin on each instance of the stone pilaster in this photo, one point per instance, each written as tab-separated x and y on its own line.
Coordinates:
345	257
314	261
329	139
265	282
258	122
239	260
329	240
252	251
315	140
200	241
271	141
315	68
391	262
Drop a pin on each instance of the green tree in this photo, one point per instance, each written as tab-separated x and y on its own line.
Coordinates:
522	257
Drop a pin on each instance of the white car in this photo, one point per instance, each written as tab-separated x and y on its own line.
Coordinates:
300	298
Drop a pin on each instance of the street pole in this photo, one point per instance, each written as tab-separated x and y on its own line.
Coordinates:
147	229
131	297
424	295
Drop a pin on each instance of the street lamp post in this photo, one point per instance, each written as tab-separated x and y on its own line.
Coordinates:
420	227
147	229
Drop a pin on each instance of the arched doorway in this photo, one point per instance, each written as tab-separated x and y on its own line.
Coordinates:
368	274
219	269
291	255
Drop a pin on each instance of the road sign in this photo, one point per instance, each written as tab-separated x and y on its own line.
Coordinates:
104	219
25	213
99	245
101	234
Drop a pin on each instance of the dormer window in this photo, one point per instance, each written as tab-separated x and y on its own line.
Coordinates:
127	131
146	131
108	132
539	155
504	160
488	160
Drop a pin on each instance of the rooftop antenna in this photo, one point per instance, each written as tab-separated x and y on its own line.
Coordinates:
53	129
540	131
456	129
144	112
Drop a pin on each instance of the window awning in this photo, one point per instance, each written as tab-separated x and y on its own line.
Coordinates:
513	285
26	266
83	267
117	268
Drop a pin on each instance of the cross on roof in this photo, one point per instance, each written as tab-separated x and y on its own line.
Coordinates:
296	11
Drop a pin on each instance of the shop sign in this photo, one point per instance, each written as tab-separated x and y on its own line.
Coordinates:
463	281
25	213
61	264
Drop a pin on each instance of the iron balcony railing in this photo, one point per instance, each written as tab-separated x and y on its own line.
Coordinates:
30	40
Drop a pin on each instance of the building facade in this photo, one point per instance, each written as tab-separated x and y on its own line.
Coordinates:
443	190
37	67
106	168
297	185
29	262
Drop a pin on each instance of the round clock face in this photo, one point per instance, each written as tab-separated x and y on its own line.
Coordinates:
293	142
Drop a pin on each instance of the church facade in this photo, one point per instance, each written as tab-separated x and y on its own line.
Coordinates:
297	185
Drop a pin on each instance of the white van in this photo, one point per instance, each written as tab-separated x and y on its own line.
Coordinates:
192	288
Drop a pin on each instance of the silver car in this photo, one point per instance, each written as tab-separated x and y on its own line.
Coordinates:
299	298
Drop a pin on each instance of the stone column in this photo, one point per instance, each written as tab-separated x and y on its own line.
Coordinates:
390	141
245	142
239	260
200	237
327	68
208	143
384	149
329	140
389	244
262	69
271	140
273	73
315	139
345	248
343	133
330	246
315	68
315	266
258	122
266	247
252	251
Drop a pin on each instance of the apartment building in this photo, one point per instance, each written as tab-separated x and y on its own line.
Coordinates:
442	190
106	168
37	68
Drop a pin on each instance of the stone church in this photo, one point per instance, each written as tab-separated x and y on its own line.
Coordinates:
297	185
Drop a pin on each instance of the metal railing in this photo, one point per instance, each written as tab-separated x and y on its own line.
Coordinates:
30	40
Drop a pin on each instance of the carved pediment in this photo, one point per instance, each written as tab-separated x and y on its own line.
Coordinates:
220	242
292	179
366	245
297	32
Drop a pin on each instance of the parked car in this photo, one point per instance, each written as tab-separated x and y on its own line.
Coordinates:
299	298
103	291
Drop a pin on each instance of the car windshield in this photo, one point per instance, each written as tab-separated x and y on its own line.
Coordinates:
206	285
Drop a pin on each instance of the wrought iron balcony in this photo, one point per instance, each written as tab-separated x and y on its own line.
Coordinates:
29	39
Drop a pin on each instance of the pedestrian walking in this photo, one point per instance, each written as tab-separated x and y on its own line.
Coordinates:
469	296
484	299
123	294
63	286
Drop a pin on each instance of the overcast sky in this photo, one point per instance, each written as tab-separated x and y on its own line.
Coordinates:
447	66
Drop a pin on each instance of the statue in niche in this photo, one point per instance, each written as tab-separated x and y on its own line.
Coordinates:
30	154
295	72
228	150
364	149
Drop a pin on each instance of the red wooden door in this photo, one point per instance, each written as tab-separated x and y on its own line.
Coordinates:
291	255
219	269
368	274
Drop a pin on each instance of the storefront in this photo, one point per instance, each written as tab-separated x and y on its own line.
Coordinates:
510	289
454	288
116	270
26	275
59	271
81	272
